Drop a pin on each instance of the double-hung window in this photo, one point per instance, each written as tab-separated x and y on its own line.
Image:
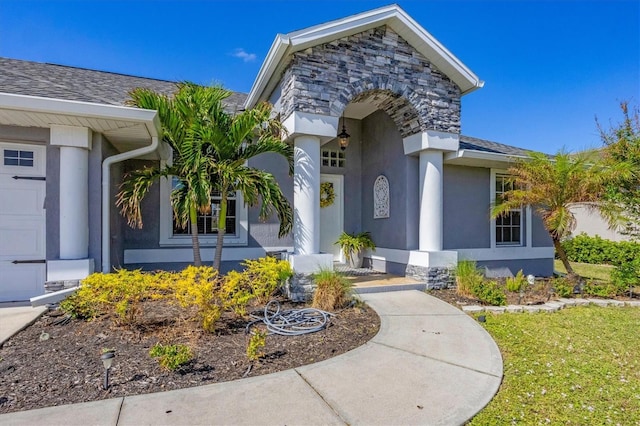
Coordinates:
508	227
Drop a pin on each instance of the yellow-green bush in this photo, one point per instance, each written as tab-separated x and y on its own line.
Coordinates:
121	293
257	342
517	283
266	275
200	288
171	356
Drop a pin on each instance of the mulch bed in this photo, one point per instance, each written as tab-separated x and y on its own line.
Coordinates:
50	364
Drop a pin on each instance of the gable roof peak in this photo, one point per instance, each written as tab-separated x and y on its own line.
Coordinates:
392	16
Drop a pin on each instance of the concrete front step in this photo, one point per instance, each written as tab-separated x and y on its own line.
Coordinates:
390	287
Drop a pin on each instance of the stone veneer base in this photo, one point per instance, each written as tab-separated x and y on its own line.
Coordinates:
436	278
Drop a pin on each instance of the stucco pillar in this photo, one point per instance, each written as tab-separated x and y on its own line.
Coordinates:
74	143
306	195
431	199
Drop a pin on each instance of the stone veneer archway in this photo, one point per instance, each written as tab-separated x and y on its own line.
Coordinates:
323	79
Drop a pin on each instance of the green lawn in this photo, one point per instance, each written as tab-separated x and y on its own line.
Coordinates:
586	270
577	366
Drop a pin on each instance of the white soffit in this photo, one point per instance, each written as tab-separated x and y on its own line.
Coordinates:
125	127
393	16
469	157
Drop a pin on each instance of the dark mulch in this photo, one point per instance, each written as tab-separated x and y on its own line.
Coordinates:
49	364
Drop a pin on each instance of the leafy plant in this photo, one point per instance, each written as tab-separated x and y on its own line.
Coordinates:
600	289
353	244
595	250
201	288
517	283
333	290
171	356
626	276
490	292
562	287
257	342
467	277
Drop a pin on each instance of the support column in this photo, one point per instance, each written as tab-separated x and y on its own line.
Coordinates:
75	144
306	195
74	203
431	201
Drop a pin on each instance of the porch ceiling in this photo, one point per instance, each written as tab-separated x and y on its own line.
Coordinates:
126	128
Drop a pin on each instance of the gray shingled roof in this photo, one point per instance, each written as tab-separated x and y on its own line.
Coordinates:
81	84
475	144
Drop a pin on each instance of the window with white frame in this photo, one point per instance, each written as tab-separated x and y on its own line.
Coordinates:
508	227
207	221
236	232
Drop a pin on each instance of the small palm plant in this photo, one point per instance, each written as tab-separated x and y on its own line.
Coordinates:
352	246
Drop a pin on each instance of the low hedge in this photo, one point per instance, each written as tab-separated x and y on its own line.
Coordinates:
585	249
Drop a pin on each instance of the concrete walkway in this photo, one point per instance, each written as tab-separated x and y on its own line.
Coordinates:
429	364
14	319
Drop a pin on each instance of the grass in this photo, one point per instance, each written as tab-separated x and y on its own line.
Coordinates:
586	270
576	366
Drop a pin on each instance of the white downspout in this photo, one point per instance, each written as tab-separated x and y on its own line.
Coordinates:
106	190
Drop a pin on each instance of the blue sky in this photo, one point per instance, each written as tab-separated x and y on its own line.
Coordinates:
550	67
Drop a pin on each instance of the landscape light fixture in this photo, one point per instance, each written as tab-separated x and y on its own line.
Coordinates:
107	361
343	136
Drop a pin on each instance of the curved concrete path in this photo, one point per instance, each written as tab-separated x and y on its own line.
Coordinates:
429	364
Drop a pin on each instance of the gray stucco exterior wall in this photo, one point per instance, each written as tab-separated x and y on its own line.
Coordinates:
265	233
383	154
540	236
352	175
466	207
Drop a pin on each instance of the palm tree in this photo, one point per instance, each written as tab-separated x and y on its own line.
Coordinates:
552	185
190	105
234	139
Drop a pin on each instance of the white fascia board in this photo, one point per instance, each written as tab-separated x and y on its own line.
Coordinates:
38	104
433	50
430	139
267	70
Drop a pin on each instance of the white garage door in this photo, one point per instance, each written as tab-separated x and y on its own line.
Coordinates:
22	221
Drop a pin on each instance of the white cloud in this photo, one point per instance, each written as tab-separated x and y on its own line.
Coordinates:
246	57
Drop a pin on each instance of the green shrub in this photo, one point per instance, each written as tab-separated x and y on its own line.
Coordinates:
257	342
600	289
562	287
490	292
595	250
333	290
467	277
626	276
517	283
171	356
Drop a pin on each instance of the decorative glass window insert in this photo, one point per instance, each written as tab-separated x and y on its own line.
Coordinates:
381	198
509	225
208	221
13	157
333	158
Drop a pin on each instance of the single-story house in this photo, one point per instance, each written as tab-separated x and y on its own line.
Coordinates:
407	175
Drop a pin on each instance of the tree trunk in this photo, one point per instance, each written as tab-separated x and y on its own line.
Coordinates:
563	256
222	227
195	241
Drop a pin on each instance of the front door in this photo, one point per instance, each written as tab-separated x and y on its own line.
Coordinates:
332	214
22	221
